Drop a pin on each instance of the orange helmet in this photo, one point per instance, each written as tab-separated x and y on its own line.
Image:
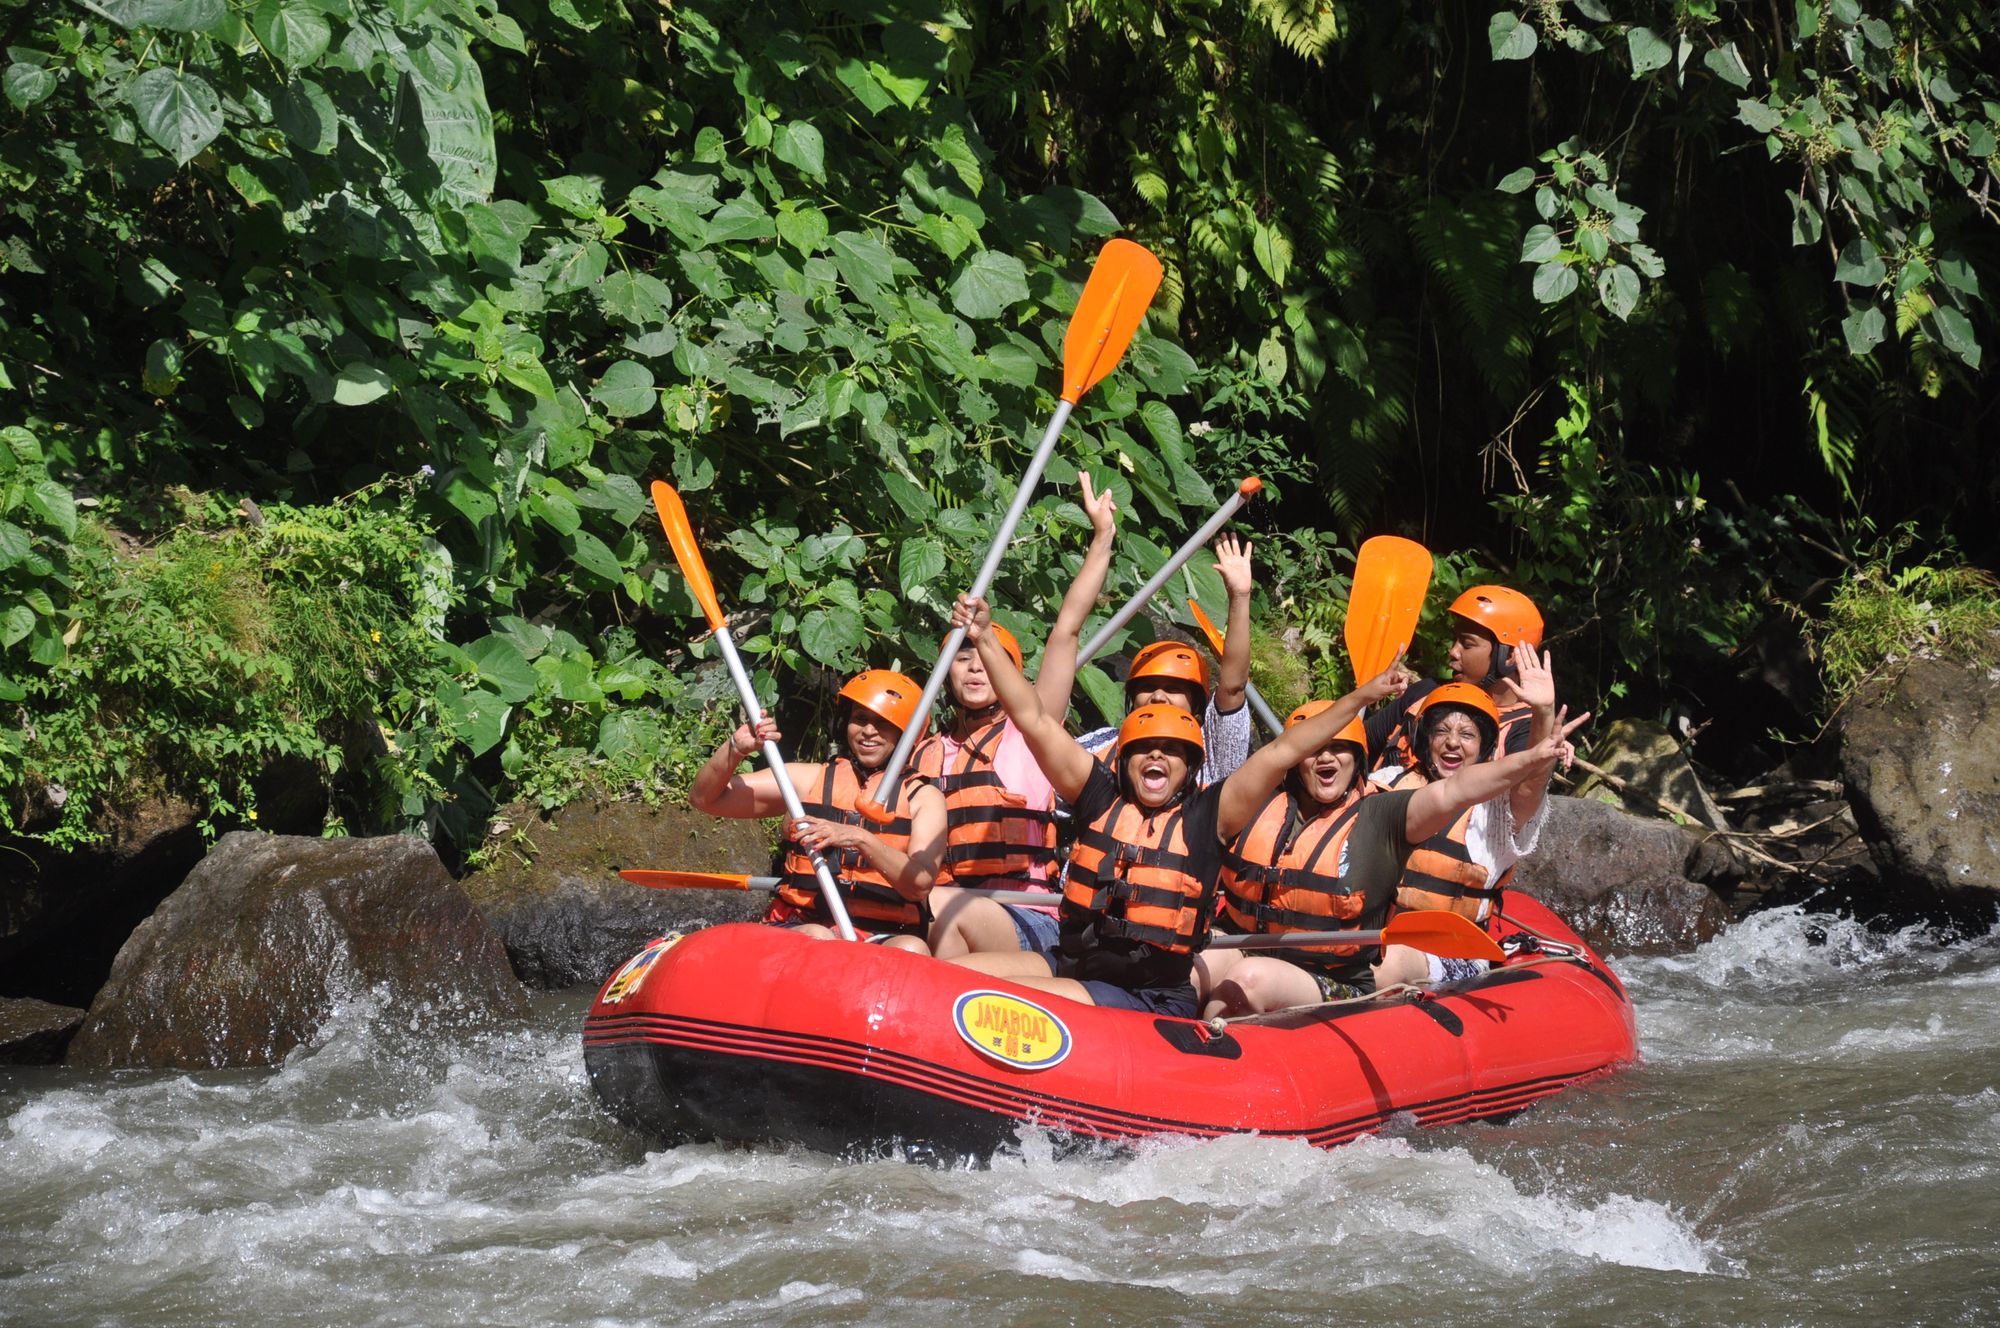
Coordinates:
885	693
1511	616
1160	721
1355	731
1007	643
1468	697
1169	659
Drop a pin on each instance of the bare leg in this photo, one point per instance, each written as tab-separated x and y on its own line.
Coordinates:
814	931
968	923
1261	983
1401	964
1211	970
1028	969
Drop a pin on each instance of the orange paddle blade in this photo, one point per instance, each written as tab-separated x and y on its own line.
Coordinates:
1446	935
1207	625
686	880
680	537
1114	299
1391	575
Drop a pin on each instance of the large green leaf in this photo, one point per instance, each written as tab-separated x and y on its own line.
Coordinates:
295	33
626	390
799	144
502	667
457	125
831	636
178	110
27	84
1509	38
1648	51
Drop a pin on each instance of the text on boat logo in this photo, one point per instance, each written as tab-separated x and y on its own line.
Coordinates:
1011	1030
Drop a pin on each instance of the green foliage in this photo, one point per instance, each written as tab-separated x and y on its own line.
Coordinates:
200	661
812	262
1894	608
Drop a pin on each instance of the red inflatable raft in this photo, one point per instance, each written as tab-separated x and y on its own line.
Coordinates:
752	1033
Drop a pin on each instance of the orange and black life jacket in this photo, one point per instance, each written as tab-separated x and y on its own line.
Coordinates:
1442	875
1132	877
868	895
1281	875
1511	718
993	838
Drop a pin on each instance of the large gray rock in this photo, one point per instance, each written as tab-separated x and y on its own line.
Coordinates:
63	914
554	896
249	957
1622	881
1921	760
1648	762
35	1032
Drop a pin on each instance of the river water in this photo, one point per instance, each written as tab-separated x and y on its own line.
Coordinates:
1813	1138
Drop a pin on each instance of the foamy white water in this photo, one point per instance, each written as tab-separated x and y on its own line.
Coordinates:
1810	1140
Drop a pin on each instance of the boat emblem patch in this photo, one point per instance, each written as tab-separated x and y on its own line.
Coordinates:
1010	1030
627	979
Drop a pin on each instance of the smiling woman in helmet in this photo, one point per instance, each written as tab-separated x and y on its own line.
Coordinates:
1488	622
1464	866
1139	898
885	872
1321	856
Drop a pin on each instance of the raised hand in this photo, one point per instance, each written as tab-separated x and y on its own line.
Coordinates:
1101	508
1557	746
1392	681
746	740
1535	684
974	615
1232	564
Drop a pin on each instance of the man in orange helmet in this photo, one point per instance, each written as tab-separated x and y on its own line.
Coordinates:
1488	622
1174	673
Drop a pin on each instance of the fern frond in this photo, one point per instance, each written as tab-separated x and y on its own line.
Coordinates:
1471	248
1304	27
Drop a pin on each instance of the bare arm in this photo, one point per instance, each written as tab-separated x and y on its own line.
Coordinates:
1535	685
1065	763
1244	792
1058	672
1232	564
719	789
1435	806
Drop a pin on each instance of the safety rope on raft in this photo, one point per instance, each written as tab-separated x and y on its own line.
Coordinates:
1217	1025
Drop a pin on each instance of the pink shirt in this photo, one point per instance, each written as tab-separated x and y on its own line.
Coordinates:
1019	774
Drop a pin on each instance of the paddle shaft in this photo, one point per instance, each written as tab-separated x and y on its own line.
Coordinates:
1216	640
1293	940
1152	587
939	671
829	889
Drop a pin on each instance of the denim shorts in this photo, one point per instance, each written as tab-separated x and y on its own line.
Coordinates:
1173	1002
1036	930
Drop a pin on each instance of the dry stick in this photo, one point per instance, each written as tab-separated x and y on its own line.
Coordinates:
1625	789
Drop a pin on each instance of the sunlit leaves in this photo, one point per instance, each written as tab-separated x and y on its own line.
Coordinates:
988	285
178	110
1509	37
